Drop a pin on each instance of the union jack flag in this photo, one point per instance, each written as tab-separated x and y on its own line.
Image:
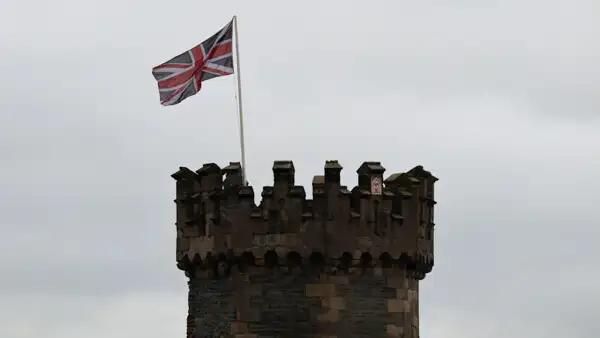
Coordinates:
182	76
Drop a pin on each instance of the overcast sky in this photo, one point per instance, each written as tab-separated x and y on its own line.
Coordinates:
499	99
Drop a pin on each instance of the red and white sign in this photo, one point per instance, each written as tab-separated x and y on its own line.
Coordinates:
376	186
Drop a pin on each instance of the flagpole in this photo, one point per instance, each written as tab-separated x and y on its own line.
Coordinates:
238	95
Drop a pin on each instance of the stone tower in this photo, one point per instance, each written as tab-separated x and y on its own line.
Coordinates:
346	263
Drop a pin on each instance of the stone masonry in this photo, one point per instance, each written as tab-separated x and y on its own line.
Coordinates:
346	263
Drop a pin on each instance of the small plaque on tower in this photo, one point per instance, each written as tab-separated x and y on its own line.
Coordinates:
376	186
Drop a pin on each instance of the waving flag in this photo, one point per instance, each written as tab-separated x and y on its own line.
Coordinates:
182	76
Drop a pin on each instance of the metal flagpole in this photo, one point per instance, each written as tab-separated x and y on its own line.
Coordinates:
238	95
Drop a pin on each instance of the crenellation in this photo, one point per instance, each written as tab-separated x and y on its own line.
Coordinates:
391	215
246	192
332	173
400	198
245	197
283	178
232	184
211	177
184	189
329	254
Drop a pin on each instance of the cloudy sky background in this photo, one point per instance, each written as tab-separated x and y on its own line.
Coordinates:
498	98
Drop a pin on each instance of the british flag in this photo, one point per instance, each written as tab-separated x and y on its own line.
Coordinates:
182	76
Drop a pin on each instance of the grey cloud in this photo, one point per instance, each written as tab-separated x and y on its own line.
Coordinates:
498	100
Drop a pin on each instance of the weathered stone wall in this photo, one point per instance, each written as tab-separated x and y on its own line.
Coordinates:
264	302
345	263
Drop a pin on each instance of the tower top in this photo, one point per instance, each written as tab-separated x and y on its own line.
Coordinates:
378	223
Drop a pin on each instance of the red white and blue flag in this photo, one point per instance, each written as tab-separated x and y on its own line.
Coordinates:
182	76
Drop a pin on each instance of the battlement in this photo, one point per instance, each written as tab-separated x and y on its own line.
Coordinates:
380	222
